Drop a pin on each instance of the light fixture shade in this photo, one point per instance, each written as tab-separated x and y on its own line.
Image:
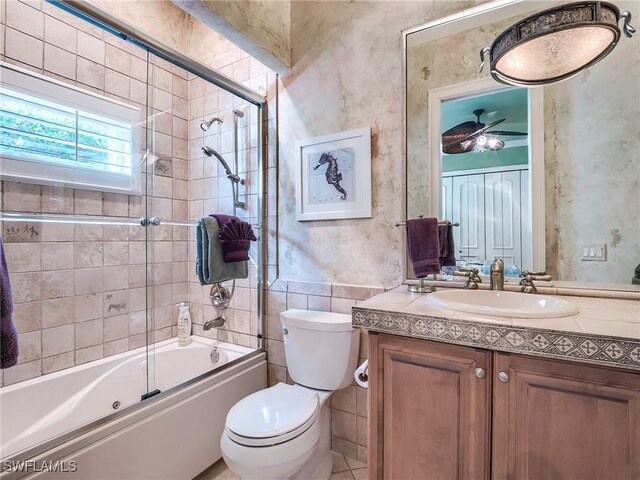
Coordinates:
556	44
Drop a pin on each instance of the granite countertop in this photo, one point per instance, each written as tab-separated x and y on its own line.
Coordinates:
606	331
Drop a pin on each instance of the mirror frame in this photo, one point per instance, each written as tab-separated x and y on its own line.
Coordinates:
535	114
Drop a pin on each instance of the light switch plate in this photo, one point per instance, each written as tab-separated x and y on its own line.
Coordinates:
594	252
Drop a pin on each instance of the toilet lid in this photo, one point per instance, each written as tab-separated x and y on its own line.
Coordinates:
273	412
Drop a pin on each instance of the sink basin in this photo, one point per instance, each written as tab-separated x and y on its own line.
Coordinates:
502	304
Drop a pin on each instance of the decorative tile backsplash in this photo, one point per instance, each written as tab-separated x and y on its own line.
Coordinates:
595	349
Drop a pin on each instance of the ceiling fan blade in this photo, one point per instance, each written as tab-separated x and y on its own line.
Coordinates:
485	128
500	132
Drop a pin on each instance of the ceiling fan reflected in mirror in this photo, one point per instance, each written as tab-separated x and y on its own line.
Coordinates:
475	136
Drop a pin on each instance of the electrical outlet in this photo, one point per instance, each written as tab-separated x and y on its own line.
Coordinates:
594	252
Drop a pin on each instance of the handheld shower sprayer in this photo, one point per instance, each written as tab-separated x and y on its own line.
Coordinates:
208	151
204	126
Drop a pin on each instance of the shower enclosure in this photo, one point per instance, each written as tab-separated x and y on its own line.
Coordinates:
104	172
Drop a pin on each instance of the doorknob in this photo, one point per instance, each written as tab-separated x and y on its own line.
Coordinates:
504	377
480	373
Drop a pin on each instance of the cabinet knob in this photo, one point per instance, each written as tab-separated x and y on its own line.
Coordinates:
504	377
480	373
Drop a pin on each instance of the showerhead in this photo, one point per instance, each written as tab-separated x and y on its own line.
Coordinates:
204	126
210	152
238	113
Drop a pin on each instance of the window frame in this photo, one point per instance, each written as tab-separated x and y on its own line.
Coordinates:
24	170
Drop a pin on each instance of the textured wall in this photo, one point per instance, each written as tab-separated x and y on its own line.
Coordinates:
267	23
347	73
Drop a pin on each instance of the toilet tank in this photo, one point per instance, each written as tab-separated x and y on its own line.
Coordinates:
321	348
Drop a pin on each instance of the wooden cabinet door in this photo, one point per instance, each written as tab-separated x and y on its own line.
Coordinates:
428	410
557	420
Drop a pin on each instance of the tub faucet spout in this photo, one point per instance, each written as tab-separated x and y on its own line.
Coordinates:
215	323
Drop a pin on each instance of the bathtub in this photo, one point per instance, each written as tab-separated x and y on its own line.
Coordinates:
42	419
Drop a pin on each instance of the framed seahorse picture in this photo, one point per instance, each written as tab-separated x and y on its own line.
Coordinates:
333	176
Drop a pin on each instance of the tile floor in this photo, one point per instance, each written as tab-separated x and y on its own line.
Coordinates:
344	468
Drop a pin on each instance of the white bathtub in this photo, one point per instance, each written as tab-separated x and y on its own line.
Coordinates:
43	408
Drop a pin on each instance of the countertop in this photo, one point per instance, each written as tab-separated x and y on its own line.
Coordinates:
606	331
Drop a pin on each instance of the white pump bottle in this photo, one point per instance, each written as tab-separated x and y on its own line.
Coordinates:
184	325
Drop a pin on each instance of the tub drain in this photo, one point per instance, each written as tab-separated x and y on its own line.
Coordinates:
116	405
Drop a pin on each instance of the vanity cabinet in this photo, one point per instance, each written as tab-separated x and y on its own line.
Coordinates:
440	411
429	412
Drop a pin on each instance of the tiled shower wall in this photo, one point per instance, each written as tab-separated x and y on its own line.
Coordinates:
211	192
79	290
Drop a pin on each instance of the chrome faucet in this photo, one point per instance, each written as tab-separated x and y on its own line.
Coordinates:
496	272
215	323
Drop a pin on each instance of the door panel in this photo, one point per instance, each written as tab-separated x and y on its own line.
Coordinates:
468	210
502	216
565	421
431	413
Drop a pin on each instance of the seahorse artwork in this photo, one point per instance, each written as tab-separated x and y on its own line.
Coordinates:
333	176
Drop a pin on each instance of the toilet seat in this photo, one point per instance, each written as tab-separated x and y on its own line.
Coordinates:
273	416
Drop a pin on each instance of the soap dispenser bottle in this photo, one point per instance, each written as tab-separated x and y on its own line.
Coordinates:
184	325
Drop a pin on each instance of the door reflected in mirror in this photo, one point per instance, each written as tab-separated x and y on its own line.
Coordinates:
485	179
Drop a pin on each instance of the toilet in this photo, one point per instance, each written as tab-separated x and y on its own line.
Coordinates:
284	431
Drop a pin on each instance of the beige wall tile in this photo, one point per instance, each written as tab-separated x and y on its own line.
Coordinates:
23	257
275	352
116	303
57	362
90	73
345	399
24	18
59	34
57	255
58	312
342	305
88	280
116	327
88	307
59	61
21	197
57	284
116	253
89	354
27	316
57	340
29	346
87	254
89	333
57	199
115	277
26	287
91	48
21	372
87	202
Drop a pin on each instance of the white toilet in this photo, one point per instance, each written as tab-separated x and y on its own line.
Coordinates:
284	431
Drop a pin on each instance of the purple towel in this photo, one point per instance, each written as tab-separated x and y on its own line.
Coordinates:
8	333
447	248
235	236
423	244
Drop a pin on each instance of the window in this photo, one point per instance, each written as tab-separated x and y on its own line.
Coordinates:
53	133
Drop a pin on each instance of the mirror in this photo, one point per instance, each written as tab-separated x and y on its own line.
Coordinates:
574	203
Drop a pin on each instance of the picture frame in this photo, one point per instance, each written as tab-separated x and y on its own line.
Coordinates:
333	176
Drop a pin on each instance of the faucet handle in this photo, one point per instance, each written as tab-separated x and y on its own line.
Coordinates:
539	276
473	277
